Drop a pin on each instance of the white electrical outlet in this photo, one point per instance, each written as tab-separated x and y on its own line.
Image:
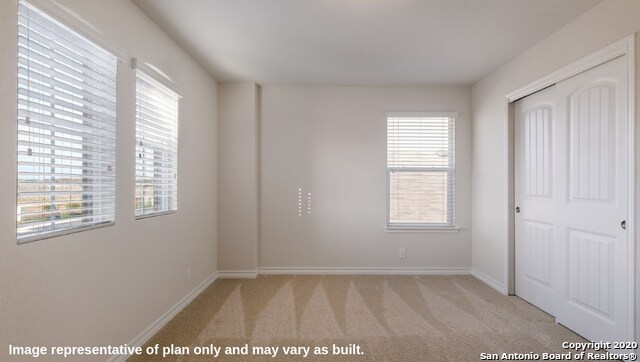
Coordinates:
188	275
402	253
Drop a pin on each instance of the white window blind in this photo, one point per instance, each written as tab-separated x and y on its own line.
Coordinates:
421	170
156	147
66	129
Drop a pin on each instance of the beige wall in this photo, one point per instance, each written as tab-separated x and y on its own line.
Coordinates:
105	286
238	177
331	142
606	23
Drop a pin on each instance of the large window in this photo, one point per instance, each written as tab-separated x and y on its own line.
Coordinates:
156	147
66	129
420	170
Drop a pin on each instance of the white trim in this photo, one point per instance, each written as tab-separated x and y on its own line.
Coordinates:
631	217
509	273
156	74
625	46
619	48
154	214
443	114
235	274
423	229
150	331
365	271
489	281
78	24
450	169
21	240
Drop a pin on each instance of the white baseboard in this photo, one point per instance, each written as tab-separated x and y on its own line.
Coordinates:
489	281
234	274
370	271
143	337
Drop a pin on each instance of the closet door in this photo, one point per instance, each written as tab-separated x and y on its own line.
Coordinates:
594	252
535	198
572	187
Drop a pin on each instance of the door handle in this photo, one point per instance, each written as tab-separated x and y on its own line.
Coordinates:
517	209
623	224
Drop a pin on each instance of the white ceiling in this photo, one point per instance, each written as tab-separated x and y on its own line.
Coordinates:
358	42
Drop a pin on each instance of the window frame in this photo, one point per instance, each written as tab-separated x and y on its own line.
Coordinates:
159	79
71	27
448	227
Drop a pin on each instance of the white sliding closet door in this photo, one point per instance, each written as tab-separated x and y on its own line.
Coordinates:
536	230
572	189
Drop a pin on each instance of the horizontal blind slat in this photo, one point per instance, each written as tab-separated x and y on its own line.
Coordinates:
41	57
60	137
84	127
57	76
46	32
90	96
48	99
34	15
81	153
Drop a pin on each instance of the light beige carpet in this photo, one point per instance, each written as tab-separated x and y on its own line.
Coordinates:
391	318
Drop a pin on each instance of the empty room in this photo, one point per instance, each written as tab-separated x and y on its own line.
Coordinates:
321	180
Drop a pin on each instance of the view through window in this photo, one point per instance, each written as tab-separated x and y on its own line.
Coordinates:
156	147
421	170
66	128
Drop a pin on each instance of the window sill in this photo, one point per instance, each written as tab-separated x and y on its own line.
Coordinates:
149	215
62	232
422	229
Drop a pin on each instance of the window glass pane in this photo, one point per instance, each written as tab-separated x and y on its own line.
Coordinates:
420	170
66	128
156	147
418	197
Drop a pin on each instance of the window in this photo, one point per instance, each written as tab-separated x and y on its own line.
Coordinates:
156	147
66	129
420	170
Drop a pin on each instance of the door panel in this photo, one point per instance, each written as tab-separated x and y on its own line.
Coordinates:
592	124
571	184
534	195
537	151
590	261
594	247
537	242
